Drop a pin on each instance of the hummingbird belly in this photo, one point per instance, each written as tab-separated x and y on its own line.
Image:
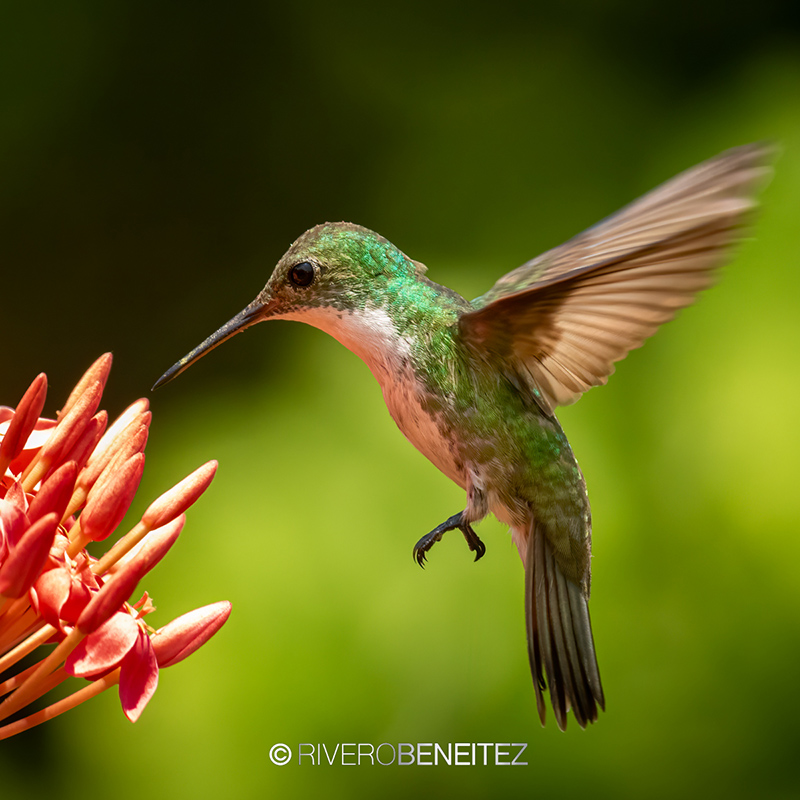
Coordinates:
411	408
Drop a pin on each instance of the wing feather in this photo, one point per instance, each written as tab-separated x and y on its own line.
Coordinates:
562	320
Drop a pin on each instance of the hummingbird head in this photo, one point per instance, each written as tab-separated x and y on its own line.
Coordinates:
335	267
337	277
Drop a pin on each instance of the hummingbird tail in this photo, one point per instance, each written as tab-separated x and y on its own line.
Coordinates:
560	643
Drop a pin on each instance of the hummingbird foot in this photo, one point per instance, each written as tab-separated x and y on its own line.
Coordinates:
456	522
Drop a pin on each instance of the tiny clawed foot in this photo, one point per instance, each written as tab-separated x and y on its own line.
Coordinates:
454	523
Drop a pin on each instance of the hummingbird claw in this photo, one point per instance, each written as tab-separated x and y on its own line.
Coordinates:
474	542
456	522
424	544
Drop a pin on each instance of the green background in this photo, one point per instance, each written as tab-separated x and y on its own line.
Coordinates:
157	160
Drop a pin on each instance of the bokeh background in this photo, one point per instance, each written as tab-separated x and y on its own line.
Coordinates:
156	161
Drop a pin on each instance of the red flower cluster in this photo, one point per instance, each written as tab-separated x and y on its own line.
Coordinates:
63	484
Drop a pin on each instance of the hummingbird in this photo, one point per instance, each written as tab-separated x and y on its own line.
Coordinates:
474	385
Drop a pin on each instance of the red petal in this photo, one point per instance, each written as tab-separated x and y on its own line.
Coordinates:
105	648
138	678
50	593
16	494
13	523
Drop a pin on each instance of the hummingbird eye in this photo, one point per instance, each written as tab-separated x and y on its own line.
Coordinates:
302	274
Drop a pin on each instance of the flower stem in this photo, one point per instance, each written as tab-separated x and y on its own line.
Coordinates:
28	646
16	680
22	696
121	548
16	625
92	690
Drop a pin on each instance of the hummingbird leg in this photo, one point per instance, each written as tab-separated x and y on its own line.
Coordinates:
456	522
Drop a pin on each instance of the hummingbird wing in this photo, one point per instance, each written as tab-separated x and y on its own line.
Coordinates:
561	320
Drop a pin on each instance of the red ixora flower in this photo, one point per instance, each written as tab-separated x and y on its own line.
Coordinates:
63	484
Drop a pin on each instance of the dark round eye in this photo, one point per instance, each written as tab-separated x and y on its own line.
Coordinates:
302	274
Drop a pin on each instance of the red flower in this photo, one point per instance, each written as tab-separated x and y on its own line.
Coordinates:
64	484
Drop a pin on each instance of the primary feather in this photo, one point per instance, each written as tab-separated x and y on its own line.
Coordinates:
564	318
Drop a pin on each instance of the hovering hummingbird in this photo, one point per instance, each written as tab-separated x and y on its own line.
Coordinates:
474	385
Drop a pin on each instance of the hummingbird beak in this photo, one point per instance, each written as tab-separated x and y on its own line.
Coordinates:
255	312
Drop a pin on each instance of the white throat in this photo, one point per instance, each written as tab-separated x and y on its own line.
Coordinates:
369	333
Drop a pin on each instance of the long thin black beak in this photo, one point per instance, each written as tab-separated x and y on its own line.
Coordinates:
255	312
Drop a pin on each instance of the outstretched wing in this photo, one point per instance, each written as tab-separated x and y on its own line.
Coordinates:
564	318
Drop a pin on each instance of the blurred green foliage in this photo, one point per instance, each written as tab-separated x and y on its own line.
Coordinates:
157	161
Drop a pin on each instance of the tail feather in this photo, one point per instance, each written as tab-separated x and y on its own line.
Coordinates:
560	643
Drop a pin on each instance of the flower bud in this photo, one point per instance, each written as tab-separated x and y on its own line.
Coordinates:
179	497
108	502
97	373
54	493
22	423
181	637
25	560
